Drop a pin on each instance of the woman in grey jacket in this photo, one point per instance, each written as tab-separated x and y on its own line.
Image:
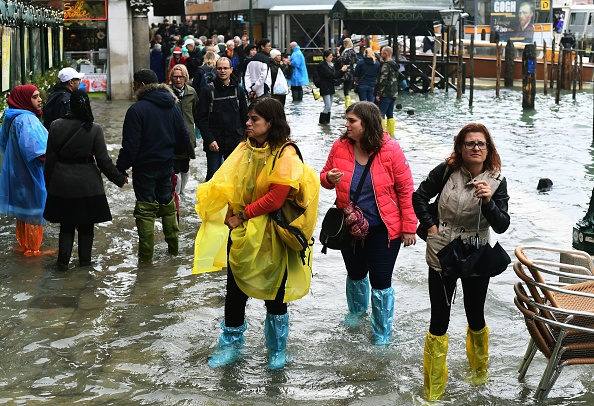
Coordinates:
470	188
76	156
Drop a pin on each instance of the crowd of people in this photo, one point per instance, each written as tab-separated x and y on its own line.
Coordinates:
230	94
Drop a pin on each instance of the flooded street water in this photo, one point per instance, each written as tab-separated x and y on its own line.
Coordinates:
117	334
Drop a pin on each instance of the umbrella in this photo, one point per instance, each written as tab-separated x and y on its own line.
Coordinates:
463	259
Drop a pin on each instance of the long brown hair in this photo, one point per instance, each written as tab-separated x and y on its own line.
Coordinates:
493	161
371	120
273	111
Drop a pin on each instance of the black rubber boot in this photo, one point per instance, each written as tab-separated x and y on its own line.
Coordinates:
65	243
85	248
322	118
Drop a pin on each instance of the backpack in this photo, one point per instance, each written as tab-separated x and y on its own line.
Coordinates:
316	78
211	88
207	78
296	220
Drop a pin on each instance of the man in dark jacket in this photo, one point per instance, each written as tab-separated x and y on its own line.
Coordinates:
153	133
58	102
386	89
222	116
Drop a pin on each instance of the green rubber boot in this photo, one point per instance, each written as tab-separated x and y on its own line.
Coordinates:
145	214
168	214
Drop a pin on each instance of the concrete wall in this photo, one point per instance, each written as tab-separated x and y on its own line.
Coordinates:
120	50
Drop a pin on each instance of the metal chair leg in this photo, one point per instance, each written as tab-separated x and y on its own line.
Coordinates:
528	357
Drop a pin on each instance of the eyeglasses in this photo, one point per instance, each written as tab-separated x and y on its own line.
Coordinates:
471	144
223	68
179	77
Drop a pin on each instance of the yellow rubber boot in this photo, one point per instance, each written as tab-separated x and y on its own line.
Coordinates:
477	351
385	124
391	127
435	369
347	101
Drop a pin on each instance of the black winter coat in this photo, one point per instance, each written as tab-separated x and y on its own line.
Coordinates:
57	104
154	130
327	76
226	123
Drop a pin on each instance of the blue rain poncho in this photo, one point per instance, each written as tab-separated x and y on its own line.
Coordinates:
258	257
23	138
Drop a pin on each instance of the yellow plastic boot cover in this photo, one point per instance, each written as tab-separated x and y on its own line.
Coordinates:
435	369
477	351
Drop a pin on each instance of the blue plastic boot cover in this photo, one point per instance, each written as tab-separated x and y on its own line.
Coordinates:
357	293
382	313
229	349
276	330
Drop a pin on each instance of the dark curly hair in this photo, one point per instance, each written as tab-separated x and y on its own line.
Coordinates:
371	120
273	111
493	161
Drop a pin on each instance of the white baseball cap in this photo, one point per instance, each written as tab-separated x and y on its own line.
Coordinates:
67	74
189	41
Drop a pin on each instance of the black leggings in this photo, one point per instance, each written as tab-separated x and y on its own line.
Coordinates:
236	300
347	85
83	229
475	293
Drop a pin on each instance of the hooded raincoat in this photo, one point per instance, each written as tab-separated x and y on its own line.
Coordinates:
22	188
257	256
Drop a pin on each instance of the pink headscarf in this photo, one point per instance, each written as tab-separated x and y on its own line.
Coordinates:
20	98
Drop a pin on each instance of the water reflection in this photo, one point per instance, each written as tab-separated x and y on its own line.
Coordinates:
119	334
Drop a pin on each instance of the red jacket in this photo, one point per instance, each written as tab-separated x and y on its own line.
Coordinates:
391	178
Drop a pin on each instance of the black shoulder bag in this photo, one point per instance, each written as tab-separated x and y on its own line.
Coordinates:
335	234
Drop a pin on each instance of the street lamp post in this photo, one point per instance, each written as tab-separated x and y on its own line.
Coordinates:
450	18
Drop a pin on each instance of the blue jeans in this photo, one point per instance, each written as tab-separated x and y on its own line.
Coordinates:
152	184
376	256
386	106
366	93
214	160
327	103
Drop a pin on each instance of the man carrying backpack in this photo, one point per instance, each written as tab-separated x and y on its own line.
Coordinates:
222	116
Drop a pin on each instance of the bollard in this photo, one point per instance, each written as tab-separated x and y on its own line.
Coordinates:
433	67
508	77
528	76
575	73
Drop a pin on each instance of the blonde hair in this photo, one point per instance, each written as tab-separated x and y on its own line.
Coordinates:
181	68
210	59
347	43
370	54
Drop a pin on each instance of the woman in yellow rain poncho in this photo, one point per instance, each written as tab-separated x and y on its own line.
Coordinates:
239	197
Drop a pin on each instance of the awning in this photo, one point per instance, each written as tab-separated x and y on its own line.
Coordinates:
301	9
393	17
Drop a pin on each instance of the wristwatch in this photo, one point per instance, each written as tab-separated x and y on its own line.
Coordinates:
241	216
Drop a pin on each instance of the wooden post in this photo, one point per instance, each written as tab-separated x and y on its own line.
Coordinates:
510	52
581	70
553	66
412	49
566	69
528	76
459	79
545	68
434	65
472	70
558	92
498	48
575	66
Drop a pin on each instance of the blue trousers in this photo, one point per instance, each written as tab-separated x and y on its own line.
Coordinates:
386	106
152	184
